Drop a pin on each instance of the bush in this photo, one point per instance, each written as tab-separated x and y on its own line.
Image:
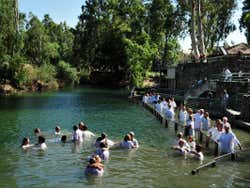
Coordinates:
46	72
66	73
25	75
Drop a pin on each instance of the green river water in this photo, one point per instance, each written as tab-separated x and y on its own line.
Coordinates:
152	165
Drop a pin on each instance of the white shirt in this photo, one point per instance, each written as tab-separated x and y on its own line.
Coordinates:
192	145
182	116
135	142
158	107
103	153
86	135
77	136
227	142
127	144
197	121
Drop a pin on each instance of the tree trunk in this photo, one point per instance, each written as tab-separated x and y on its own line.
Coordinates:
193	32
201	34
16	26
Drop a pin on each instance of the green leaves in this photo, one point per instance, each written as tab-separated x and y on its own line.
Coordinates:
245	19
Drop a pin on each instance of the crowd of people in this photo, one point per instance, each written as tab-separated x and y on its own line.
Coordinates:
194	124
80	135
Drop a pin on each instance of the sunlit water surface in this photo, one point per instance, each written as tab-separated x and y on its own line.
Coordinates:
152	165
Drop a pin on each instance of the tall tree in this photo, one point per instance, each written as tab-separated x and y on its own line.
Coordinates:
211	18
165	23
245	19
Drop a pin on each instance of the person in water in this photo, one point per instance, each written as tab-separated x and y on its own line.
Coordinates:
64	139
182	148
95	167
228	141
133	139
26	143
37	131
191	143
57	130
86	134
103	151
127	142
101	139
77	135
198	152
41	143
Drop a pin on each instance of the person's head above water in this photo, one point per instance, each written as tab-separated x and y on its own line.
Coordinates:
63	138
57	128
41	139
37	131
25	141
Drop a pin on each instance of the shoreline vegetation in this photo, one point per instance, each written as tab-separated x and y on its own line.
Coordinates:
115	43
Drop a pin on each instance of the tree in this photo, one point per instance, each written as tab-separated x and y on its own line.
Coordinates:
36	41
165	25
8	32
209	19
245	19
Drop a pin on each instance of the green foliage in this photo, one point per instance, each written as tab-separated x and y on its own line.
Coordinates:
25	75
114	37
46	72
67	73
215	18
139	60
245	19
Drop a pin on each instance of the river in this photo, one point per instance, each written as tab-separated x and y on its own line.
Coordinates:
152	165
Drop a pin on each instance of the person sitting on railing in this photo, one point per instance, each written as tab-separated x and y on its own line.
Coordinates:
228	75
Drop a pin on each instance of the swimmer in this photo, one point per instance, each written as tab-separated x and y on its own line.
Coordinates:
57	130
103	151
64	139
95	167
127	143
77	134
100	139
181	148
26	143
37	131
179	137
86	134
198	153
103	138
135	142
191	143
41	143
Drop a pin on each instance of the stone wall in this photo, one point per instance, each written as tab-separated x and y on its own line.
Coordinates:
245	108
187	73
